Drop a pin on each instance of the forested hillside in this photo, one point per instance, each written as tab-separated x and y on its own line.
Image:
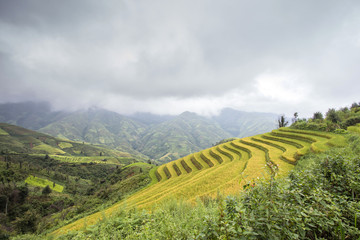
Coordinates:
47	181
159	138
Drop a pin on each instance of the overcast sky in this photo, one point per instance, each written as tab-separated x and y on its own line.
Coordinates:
167	57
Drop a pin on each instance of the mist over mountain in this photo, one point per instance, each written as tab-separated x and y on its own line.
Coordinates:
159	137
31	115
243	124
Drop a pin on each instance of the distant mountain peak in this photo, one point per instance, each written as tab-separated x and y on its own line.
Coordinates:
188	114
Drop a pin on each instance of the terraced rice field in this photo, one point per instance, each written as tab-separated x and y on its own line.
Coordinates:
92	159
224	168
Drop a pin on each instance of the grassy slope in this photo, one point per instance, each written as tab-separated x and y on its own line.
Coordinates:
242	162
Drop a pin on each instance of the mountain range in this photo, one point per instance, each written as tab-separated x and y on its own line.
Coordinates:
159	137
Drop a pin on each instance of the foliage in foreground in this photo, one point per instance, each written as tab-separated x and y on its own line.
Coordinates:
319	200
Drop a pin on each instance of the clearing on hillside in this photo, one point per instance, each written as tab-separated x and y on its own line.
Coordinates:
41	182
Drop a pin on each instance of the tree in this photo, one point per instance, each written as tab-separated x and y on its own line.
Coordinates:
332	115
282	121
4	201
296	116
354	105
318	116
46	190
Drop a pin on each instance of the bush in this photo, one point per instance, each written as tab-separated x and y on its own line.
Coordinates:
46	190
350	122
340	131
311	125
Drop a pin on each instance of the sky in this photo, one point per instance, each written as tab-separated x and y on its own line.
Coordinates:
167	56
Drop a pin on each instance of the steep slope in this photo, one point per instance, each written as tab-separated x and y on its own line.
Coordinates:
181	136
244	124
99	126
226	168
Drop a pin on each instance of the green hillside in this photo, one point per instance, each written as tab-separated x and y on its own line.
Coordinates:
146	135
318	200
18	140
47	181
41	182
227	168
99	127
267	185
180	136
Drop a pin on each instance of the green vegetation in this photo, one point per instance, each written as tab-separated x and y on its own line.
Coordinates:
180	136
282	122
23	141
335	120
39	191
65	145
290	183
201	175
2	132
159	138
319	199
41	182
355	129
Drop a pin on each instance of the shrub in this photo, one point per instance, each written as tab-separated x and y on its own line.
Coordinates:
350	122
46	190
340	131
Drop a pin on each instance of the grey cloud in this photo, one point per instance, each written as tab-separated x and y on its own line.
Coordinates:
92	52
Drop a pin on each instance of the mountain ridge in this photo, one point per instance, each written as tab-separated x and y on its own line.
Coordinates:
159	137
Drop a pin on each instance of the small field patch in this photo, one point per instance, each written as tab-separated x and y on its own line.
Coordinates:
3	133
63	145
42	182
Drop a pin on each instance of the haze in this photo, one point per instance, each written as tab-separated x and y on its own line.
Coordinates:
167	57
